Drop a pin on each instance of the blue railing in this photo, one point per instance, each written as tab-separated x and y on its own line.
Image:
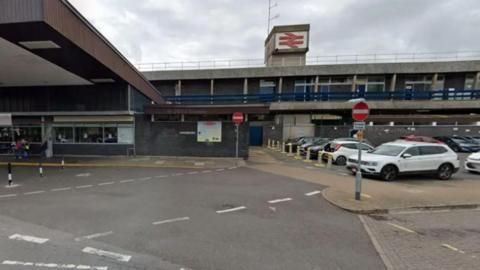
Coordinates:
327	96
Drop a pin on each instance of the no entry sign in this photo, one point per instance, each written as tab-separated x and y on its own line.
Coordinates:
237	118
360	111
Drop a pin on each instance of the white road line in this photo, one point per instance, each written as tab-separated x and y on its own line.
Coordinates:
8	196
191	173
103	253
313	193
231	210
161	176
92	236
177	174
34	192
60	189
55	265
280	200
170	220
232	168
450	247
207	171
145	178
401	227
127	181
83	175
85	186
106	183
28	238
220	170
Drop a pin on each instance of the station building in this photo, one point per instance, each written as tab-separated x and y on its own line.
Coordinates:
62	83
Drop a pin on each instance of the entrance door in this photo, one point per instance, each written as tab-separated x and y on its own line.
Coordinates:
256	136
361	88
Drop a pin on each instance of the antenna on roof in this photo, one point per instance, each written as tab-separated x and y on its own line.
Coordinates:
270	17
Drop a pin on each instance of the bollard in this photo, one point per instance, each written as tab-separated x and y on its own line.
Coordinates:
290	150
63	163
297	156
9	168
40	169
329	162
269	144
307	157
320	160
283	148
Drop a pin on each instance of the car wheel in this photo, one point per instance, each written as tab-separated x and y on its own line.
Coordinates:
341	161
389	173
445	172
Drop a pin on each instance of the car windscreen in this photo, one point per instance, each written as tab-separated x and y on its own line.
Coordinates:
388	150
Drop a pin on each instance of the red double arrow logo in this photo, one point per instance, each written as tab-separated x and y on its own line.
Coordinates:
291	40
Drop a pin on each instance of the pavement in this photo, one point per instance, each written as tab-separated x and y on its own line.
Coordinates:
418	192
175	218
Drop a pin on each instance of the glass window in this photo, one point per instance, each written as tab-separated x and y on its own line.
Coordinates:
111	135
126	134
469	82
6	134
376	87
414	151
388	150
30	134
432	150
63	134
267	87
88	135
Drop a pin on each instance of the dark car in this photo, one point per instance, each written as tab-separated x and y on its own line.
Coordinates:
317	141
298	142
459	144
314	150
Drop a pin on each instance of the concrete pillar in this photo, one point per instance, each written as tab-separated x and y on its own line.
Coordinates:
212	90
476	82
354	83
280	88
393	83
245	89
316	86
178	89
434	80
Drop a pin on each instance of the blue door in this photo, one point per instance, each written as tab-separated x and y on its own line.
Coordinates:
256	136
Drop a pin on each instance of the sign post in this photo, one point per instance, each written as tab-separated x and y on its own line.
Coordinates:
360	112
237	118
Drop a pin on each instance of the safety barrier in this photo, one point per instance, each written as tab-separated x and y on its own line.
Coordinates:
276	145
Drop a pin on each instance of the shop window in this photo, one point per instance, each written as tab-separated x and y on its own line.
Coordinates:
6	134
30	134
111	135
88	135
126	134
63	134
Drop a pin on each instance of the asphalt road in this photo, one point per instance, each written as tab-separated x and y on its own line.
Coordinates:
232	218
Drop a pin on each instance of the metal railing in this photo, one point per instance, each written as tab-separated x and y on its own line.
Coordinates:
327	96
315	60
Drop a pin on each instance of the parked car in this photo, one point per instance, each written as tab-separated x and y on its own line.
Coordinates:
299	141
407	157
314	150
341	150
459	144
317	141
472	163
416	138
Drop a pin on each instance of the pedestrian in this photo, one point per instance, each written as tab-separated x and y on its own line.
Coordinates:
18	149
26	149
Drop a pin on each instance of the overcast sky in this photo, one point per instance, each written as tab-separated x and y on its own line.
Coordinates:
177	30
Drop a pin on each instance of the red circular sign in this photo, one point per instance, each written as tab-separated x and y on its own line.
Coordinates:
237	118
360	111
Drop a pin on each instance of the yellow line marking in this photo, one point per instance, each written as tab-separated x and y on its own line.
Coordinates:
366	195
401	228
450	247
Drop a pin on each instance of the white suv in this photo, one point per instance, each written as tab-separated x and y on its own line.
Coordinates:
341	150
408	157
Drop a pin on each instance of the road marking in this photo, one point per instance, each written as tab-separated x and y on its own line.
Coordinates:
453	248
12	186
232	168
199	163
161	176
170	220
103	253
127	181
220	170
83	175
191	173
85	186
207	171
55	265
231	210
344	174
145	178
313	193
60	189
92	236
106	183
280	200
177	174
8	196
376	244
34	192
28	238
401	227
366	196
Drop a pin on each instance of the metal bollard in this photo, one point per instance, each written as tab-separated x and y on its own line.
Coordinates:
269	145
9	168
307	157
298	156
290	150
283	148
329	162
278	146
320	160
63	163
40	169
